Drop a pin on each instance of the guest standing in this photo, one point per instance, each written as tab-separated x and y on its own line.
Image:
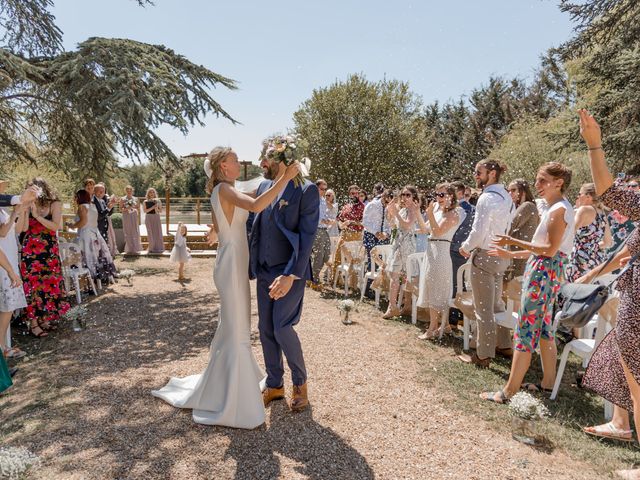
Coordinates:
332	213
130	207
152	209
350	222
592	235
403	211
11	297
95	251
105	205
525	222
40	262
614	368
376	230
321	250
436	278
494	211
548	253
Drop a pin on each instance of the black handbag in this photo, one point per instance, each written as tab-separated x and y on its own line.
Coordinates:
582	301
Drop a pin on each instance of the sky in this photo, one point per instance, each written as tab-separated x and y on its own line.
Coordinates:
280	51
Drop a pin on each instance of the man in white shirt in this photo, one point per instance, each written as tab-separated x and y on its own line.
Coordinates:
494	212
321	250
376	227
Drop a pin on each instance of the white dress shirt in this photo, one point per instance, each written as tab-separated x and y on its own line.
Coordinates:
373	217
494	213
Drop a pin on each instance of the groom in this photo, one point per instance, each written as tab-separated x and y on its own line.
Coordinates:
280	246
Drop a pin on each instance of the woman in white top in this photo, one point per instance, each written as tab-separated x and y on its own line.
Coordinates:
436	277
332	213
548	254
11	292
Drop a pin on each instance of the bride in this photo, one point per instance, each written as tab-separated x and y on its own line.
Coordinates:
228	391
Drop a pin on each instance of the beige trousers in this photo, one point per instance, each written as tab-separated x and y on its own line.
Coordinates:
486	283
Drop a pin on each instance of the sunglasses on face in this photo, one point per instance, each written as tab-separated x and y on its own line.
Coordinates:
406	195
441	195
633	185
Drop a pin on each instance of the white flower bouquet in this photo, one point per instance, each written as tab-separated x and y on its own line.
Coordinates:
526	406
77	316
14	462
346	306
127	275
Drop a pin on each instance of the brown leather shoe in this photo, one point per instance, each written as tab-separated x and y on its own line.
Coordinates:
271	394
475	360
504	352
299	399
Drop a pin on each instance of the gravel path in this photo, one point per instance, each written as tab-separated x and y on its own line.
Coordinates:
82	400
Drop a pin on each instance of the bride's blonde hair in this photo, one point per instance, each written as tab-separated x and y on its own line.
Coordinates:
216	157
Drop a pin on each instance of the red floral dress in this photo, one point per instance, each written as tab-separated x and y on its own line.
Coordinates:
42	275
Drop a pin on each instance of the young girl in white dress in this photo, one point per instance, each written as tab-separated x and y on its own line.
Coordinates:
180	254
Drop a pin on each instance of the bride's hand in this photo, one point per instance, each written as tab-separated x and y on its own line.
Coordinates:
292	171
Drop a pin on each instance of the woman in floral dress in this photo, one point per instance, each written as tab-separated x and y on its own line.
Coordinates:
592	234
40	264
403	210
547	254
614	368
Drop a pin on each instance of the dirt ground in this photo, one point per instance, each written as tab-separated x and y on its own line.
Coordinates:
82	400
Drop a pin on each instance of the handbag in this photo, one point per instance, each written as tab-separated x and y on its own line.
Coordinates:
582	301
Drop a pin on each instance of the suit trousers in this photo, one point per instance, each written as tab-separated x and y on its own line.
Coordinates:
486	283
320	253
276	319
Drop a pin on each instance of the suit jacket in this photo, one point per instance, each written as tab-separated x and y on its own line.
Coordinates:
296	214
5	200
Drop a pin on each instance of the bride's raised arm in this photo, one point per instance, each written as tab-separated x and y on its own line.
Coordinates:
246	202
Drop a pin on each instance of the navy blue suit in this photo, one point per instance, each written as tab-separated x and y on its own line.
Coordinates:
5	200
280	244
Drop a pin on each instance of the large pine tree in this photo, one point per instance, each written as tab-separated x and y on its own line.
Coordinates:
84	108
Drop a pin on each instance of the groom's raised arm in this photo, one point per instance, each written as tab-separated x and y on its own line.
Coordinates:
307	226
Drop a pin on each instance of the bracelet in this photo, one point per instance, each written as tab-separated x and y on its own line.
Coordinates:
594	148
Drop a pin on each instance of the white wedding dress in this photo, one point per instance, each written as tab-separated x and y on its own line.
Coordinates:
228	391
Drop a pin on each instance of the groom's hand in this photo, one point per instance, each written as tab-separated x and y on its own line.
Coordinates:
280	286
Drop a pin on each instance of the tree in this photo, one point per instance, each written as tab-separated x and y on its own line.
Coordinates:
363	132
96	103
604	58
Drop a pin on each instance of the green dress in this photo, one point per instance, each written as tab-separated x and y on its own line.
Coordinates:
5	378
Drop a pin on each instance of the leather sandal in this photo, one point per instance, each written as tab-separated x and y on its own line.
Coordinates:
608	430
491	397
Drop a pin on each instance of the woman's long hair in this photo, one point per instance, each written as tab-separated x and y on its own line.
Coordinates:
523	187
450	190
49	194
216	157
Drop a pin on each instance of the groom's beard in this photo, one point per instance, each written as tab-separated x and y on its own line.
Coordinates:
271	172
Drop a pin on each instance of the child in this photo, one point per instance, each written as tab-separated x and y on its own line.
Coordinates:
180	253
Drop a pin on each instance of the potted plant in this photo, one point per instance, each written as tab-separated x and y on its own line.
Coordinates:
526	413
116	223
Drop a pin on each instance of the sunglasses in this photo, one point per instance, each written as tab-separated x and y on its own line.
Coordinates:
406	195
633	185
441	195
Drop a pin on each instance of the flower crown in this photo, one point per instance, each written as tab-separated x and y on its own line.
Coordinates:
282	148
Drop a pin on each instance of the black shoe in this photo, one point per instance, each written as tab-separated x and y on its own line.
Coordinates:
13	371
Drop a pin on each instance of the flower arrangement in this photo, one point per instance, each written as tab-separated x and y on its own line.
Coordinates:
127	275
14	462
77	316
346	306
130	203
526	406
283	148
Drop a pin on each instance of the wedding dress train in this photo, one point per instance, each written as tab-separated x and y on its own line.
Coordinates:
228	391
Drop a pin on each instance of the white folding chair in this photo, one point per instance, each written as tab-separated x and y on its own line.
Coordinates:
352	262
583	347
414	270
463	280
72	269
379	256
